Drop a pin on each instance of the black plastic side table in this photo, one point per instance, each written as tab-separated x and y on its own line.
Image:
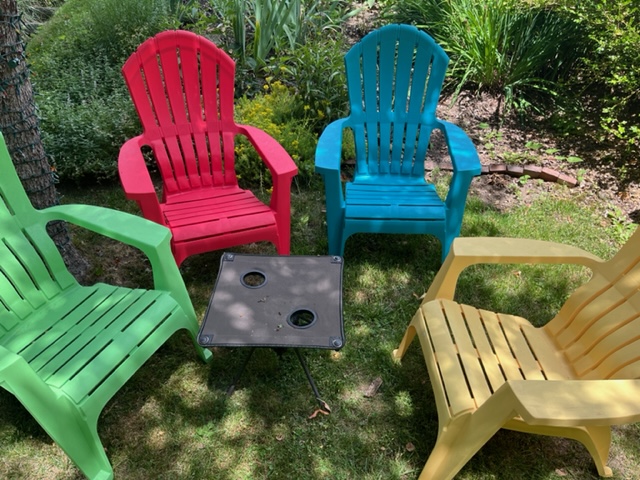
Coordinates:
278	302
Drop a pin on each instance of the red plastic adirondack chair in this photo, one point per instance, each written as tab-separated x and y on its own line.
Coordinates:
182	86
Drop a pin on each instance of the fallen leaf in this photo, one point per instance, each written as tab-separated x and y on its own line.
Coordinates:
315	414
410	447
373	387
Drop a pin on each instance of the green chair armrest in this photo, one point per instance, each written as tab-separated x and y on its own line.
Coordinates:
149	237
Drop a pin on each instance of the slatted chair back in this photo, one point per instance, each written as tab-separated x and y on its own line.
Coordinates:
182	86
32	271
394	78
598	328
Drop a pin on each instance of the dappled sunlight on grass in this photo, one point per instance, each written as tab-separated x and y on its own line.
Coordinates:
174	420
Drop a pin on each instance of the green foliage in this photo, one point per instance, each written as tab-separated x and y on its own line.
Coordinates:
612	68
274	112
262	27
36	12
316	71
501	46
75	61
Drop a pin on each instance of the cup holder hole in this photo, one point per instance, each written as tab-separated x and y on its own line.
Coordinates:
253	279
302	318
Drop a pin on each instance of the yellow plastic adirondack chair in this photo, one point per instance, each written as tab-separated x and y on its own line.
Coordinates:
574	377
66	349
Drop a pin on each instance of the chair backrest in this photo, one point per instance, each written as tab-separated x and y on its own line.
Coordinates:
31	268
394	79
182	86
598	328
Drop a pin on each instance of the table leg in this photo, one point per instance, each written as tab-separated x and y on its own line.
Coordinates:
323	404
232	387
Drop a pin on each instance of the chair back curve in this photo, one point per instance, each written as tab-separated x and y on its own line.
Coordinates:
394	77
182	86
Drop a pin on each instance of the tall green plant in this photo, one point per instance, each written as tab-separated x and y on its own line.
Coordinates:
614	65
316	72
262	27
501	46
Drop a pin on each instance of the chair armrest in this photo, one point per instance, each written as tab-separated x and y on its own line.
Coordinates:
280	164
577	402
273	154
136	180
329	148
464	156
19	378
149	237
469	251
327	162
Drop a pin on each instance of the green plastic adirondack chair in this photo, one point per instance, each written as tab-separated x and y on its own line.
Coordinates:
66	349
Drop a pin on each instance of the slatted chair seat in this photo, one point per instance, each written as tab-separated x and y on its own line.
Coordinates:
394	202
66	349
574	377
217	215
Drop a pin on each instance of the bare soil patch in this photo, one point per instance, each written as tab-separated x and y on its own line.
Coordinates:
508	142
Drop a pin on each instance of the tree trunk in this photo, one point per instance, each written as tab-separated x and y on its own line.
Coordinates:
21	130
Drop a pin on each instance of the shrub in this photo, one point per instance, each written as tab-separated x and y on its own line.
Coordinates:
262	27
273	112
75	60
316	72
612	67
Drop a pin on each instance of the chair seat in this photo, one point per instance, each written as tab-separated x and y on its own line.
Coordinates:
398	202
209	213
94	331
476	351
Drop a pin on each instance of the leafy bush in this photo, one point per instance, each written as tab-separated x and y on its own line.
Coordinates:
273	113
316	72
502	46
75	61
612	67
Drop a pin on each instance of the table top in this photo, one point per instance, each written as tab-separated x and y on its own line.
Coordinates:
275	301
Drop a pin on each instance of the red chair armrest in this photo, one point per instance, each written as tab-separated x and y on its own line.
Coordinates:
136	180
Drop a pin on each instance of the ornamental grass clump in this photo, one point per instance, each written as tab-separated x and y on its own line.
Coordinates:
520	52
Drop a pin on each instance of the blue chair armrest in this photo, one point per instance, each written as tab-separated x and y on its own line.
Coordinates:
329	148
461	149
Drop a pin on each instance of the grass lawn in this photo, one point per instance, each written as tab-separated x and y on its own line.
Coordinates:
173	420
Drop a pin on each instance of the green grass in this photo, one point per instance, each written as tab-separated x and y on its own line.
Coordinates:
173	420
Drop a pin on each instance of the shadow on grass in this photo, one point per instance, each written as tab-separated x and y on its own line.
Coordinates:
174	420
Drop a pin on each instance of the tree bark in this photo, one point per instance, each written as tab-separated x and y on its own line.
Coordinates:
20	127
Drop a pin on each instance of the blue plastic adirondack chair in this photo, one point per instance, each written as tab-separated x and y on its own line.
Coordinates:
66	349
394	78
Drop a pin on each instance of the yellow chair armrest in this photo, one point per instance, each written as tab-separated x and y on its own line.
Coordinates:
469	251
577	402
